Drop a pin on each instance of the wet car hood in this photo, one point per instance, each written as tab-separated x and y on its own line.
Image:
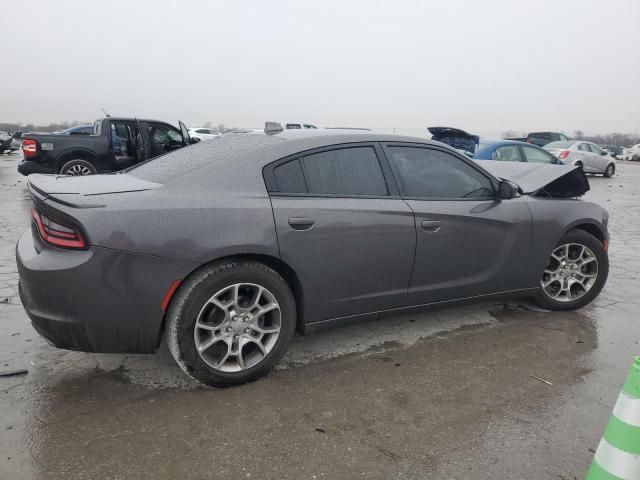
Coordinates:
89	185
555	180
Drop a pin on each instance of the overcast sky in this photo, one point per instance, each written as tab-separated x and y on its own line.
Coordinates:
485	66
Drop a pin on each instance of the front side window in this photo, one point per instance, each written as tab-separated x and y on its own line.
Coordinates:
535	155
428	173
507	153
595	149
345	171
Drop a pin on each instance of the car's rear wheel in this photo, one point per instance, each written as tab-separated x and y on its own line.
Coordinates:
78	167
610	170
575	274
231	322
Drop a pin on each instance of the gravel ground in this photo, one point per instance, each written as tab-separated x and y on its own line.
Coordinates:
446	394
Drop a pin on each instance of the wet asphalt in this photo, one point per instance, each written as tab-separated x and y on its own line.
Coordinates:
449	394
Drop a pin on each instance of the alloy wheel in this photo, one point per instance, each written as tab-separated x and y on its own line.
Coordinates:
237	327
78	170
571	273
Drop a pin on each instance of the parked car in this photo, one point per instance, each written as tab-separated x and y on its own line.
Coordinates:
225	248
632	153
77	130
291	125
586	155
465	143
114	144
203	133
512	151
613	150
541	138
10	142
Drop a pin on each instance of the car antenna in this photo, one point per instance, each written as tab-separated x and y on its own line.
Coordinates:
105	112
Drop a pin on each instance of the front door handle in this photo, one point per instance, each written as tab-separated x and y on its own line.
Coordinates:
431	225
301	223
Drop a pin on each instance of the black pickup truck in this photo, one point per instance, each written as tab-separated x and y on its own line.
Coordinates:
115	144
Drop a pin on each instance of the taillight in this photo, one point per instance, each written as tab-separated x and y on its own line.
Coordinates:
57	233
29	147
563	154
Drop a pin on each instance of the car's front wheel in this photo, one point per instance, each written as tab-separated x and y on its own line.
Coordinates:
231	322
610	170
575	274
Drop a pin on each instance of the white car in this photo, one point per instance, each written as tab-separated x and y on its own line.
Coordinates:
632	153
290	125
203	133
587	155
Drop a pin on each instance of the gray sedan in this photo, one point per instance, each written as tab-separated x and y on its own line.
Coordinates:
225	248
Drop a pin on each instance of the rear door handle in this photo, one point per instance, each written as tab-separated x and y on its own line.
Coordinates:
431	225
301	223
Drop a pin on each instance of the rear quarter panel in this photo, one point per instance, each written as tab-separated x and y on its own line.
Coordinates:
197	227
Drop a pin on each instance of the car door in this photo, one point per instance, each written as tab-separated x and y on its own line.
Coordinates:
161	138
583	154
344	230
600	161
469	242
184	132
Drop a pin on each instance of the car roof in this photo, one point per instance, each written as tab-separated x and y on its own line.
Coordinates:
129	119
237	153
498	143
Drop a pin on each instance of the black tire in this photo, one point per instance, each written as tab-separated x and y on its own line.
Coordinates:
610	170
583	238
194	293
78	165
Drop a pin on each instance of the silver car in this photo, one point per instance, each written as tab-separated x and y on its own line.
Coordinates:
587	155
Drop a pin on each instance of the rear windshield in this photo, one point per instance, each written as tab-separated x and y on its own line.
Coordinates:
187	159
560	144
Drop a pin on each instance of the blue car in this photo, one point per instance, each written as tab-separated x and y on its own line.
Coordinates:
513	151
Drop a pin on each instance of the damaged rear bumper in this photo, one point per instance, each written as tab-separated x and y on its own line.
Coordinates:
99	300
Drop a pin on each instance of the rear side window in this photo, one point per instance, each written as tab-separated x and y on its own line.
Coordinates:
289	177
346	171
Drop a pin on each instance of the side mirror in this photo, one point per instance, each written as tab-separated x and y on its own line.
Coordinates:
507	190
604	152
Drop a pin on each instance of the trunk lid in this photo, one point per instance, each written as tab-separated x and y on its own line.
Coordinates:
77	191
556	180
456	138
